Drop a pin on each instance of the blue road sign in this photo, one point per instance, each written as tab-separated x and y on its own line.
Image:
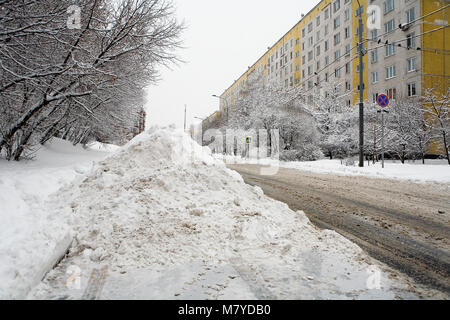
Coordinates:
383	100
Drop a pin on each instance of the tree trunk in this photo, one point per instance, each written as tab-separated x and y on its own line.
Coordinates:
444	135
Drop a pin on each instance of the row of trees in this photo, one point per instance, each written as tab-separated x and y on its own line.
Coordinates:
320	122
414	127
78	69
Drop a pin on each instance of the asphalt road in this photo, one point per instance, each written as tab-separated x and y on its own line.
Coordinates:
403	224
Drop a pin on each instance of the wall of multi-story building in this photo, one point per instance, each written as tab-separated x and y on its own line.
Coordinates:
435	44
322	47
319	48
395	69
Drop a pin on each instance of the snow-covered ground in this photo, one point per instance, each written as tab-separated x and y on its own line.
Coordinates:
433	171
32	238
162	219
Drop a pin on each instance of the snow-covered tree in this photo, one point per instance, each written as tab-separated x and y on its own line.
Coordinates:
408	135
437	110
79	83
264	106
336	119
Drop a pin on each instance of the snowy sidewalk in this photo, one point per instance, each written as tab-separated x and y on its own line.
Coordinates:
32	238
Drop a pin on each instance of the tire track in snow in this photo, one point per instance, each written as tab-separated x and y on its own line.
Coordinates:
422	261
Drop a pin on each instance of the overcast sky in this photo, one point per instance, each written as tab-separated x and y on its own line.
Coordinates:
222	39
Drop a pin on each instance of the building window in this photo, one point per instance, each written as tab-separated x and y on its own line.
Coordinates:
347	14
392	93
347	86
391	72
411	89
327	45
347	49
374	34
318	21
411	64
388	6
337	55
327	60
310	55
347	67
374	77
327	13
357	68
318	36
337	38
410	15
347	32
389	26
336	5
390	50
337	22
310	27
375	97
374	55
326	29
318	51
411	40
337	73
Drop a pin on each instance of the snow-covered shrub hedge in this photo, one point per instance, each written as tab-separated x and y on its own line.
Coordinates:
308	152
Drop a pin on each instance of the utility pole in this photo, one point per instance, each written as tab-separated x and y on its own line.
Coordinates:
361	89
185	111
382	135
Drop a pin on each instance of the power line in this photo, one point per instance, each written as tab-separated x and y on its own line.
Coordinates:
405	39
408	24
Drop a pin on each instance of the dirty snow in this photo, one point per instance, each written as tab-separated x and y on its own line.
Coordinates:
162	219
31	237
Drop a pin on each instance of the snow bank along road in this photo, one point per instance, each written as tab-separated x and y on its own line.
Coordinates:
162	219
404	224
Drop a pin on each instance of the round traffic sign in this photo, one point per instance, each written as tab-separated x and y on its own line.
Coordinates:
383	100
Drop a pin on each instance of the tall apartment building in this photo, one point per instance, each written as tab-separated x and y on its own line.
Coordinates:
322	47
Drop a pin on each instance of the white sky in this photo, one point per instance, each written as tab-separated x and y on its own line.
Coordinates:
222	39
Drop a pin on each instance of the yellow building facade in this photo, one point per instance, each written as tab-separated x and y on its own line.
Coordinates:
322	46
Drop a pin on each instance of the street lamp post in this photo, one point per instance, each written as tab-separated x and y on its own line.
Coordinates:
225	147
361	88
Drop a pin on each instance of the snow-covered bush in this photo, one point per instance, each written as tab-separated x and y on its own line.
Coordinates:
308	152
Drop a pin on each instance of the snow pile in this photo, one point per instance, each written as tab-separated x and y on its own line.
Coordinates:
435	171
32	238
167	220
